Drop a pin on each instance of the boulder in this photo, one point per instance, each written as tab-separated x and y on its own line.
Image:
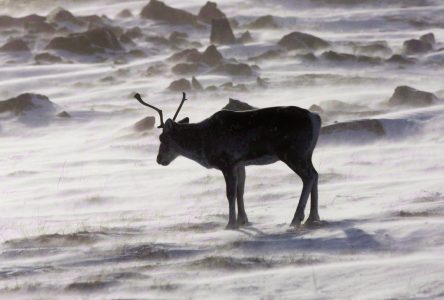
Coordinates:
64	114
125	14
86	43
145	124
26	102
64	18
181	85
361	127
221	32
8	21
47	58
302	41
270	54
239	69
211	56
14	45
414	46
245	38
134	32
350	58
178	38
157	10
408	96
209	12
237	105
373	48
39	27
191	55
186	68
196	84
263	22
428	38
400	59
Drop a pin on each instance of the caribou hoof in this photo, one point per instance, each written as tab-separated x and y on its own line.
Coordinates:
232	226
296	223
242	221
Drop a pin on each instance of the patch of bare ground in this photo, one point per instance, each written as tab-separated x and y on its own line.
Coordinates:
56	240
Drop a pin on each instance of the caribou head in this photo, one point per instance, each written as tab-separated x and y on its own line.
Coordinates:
168	149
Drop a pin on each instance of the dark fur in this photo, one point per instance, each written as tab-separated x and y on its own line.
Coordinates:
229	141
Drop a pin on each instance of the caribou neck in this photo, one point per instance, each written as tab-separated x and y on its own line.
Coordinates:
190	141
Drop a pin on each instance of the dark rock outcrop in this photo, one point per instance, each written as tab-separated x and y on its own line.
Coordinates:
211	56
64	114
245	38
186	68
408	96
63	19
428	38
234	69
47	58
157	10
263	23
181	85
350	58
26	102
400	59
237	105
270	54
125	13
372	126
86	43
221	32
146	123
302	41
15	45
196	84
209	12
8	21
414	46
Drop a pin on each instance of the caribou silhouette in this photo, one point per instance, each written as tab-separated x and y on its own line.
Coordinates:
229	141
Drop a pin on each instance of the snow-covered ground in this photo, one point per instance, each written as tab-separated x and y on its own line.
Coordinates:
85	211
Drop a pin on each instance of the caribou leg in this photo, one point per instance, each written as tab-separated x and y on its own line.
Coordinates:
309	176
313	217
230	176
242	218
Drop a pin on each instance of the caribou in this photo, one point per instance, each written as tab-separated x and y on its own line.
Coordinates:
230	140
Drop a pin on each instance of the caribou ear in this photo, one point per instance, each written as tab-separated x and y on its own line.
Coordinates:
168	125
184	121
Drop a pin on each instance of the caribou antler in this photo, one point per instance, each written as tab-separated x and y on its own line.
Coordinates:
180	106
137	96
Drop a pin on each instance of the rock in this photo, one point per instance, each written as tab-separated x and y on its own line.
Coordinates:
196	84
124	14
229	86
221	32
209	12
39	27
181	85
185	55
89	42
400	59
373	48
372	126
260	82
428	38
146	123
134	32
186	68
158	40
47	58
63	114
8	21
408	96
26	102
237	105
211	56
177	38
156	69
239	69
245	38
302	41
263	22
64	18
211	88
157	10
414	46
350	58
270	54
14	45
